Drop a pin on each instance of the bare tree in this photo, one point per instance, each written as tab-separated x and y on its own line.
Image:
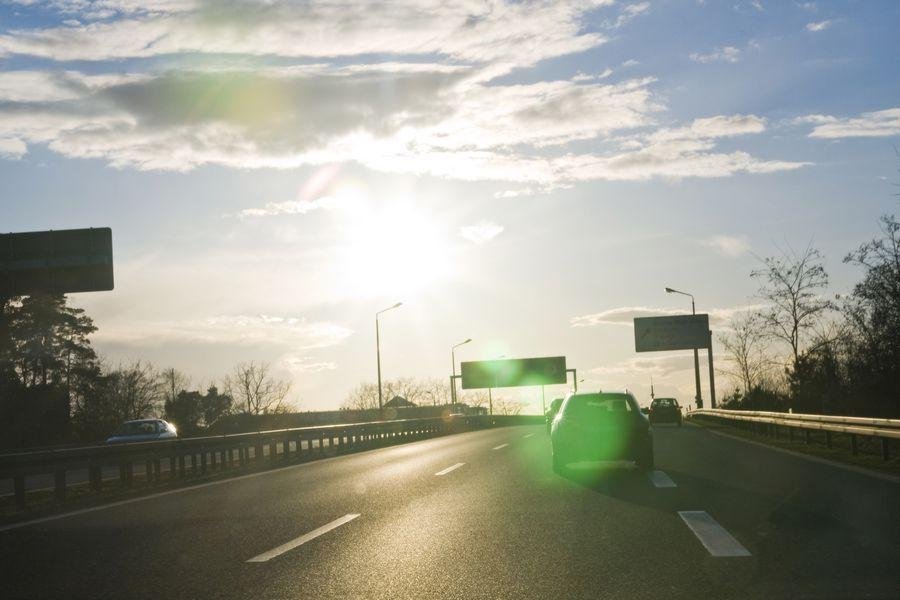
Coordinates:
507	406
362	397
746	351
133	391
475	398
792	286
254	390
173	382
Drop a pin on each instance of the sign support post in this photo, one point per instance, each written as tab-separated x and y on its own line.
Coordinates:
712	375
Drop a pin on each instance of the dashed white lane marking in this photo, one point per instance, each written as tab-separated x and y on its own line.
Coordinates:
713	536
527	435
265	556
660	479
450	468
500	447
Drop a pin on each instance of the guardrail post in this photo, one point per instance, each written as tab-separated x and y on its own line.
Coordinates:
808	435
321	443
853	446
181	465
885	449
173	467
273	450
203	460
157	470
59	485
791	433
828	438
19	485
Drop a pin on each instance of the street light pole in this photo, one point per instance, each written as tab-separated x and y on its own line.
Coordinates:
698	398
453	360
378	349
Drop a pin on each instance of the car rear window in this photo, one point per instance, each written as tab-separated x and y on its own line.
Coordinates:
664	403
598	406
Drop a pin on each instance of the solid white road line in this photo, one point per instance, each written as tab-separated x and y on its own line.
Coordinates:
713	536
302	539
660	479
527	435
450	468
501	446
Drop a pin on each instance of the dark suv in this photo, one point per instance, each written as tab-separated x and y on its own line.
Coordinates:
665	410
601	426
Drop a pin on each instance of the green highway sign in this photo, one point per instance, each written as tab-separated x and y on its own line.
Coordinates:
56	262
513	372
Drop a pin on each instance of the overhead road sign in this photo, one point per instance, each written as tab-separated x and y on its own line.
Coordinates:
513	372
56	262
680	332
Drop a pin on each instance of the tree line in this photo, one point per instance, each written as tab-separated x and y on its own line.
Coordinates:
812	352
54	388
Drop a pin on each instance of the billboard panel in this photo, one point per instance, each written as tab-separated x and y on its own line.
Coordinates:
680	332
513	372
56	262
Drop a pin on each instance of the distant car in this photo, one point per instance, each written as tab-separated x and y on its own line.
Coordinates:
665	410
552	410
143	430
601	426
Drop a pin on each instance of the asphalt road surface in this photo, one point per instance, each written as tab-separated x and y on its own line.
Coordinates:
481	515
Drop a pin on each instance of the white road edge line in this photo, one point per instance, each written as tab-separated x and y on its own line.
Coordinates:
713	536
448	469
265	556
527	435
500	447
661	479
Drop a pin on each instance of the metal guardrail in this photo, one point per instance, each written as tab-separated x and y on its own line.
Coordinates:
200	455
768	423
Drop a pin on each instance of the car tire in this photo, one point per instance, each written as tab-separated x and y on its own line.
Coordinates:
644	460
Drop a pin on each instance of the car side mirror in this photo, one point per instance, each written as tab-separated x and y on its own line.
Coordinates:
645	410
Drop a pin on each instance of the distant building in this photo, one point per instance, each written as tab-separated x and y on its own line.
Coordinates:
398	402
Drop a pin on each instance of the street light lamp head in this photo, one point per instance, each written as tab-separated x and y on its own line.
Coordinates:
467	340
669	290
397	305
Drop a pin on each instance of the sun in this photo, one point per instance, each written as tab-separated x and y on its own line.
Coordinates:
397	250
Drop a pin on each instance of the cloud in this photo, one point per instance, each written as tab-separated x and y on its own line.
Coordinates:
728	245
628	13
294	207
679	152
289	332
305	364
511	32
12	148
646	366
481	232
818	25
882	123
718	317
728	54
440	111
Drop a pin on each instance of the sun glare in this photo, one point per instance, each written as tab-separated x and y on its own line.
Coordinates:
398	250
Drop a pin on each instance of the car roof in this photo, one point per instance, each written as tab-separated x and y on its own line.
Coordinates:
142	421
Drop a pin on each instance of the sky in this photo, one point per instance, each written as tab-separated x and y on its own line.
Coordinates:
530	175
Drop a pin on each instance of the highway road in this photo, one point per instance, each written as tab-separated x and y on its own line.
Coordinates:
481	515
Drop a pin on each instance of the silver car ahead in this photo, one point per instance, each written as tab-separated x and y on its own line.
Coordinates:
143	430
